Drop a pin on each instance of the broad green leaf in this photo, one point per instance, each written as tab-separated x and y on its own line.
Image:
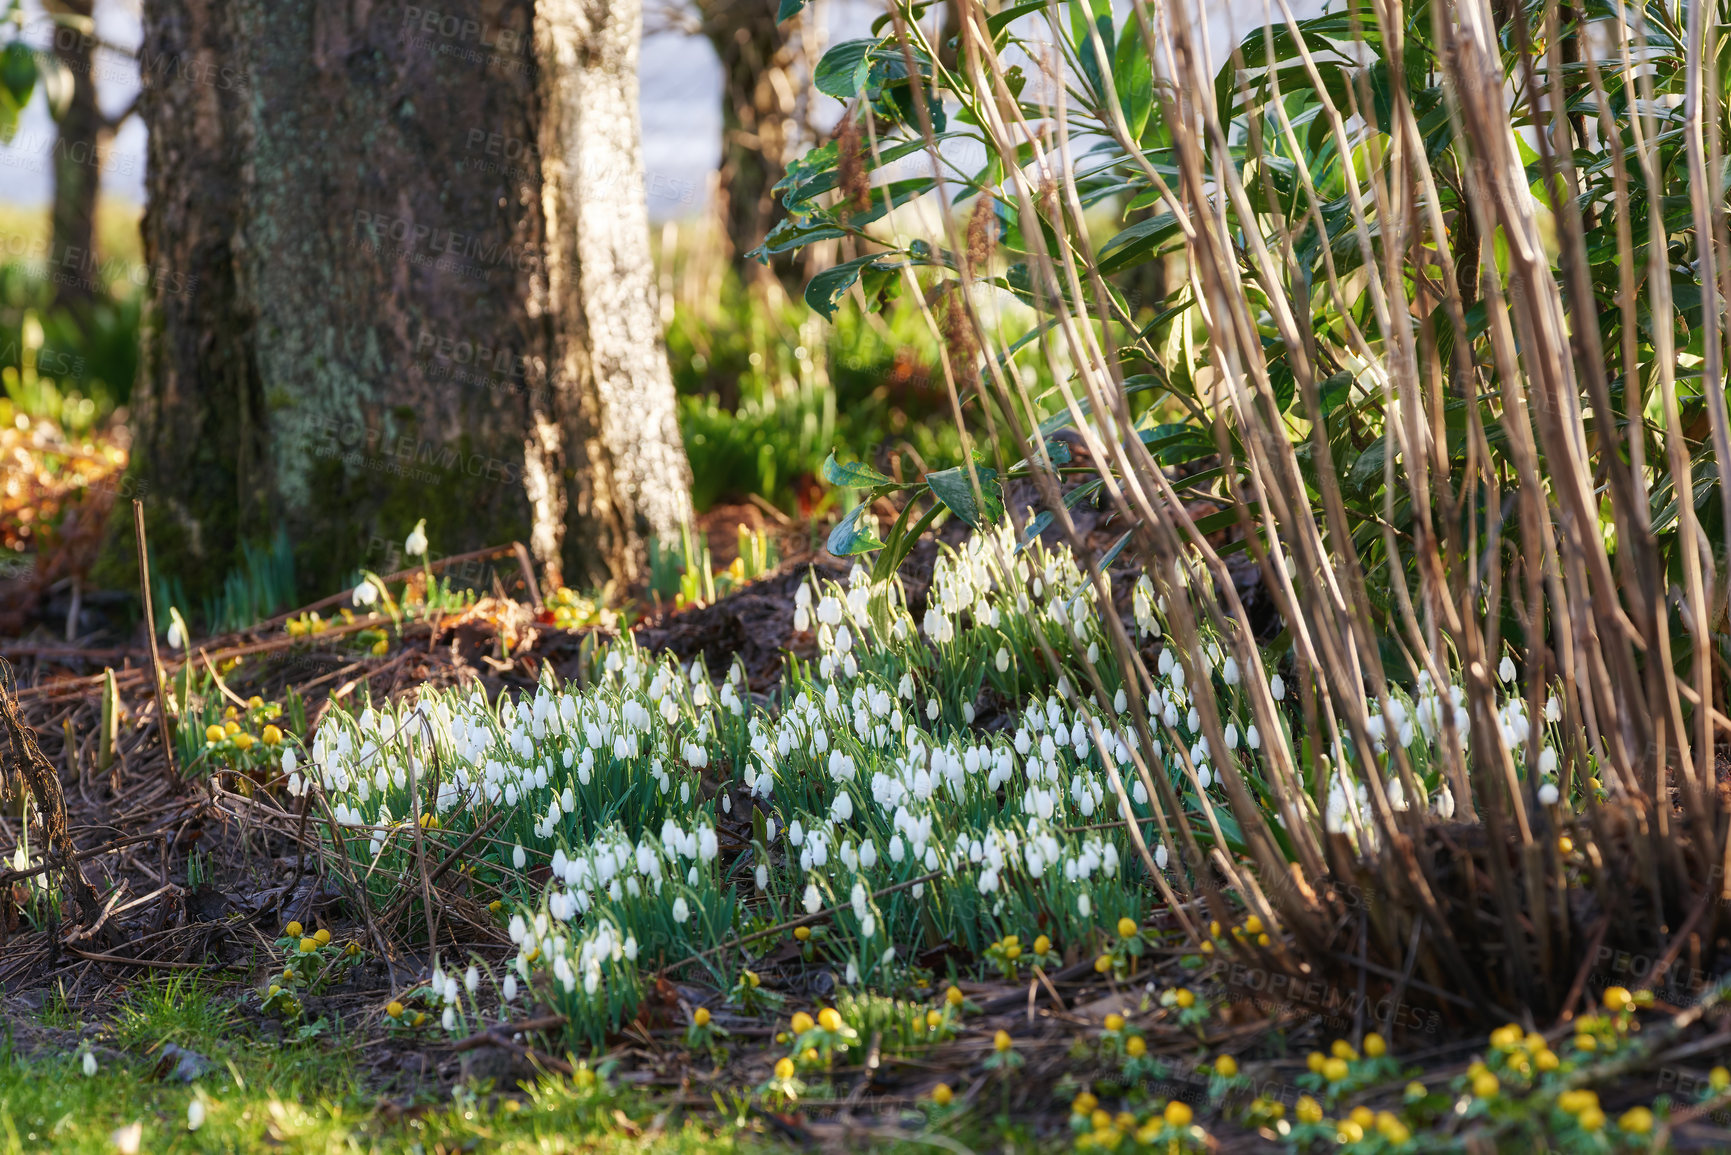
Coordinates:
789	9
826	290
853	534
852	474
955	489
842	71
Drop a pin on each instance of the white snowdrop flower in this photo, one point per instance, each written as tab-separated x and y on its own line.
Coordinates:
1003	658
471	980
1277	688
1506	669
1139	792
1120	700
1553	709
448	1020
176	639
1445	803
852	972
1205	776
1253	738
868	855
1548	794
681	910
195	1114
801	617
813	901
630	947
1084	906
518	858
1160	856
762	874
1193	720
932	709
1229	671
1231	735
858	899
365	595
868	926
415	545
510	990
968	713
1166	662
1548	761
89	1064
896	848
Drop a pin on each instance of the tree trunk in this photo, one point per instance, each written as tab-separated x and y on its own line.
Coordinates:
757	123
83	139
363	310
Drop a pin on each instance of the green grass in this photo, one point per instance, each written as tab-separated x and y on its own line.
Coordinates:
298	1097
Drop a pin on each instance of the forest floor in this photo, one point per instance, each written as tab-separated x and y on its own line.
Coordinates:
148	1030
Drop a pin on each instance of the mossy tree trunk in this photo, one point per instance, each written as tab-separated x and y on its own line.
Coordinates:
361	312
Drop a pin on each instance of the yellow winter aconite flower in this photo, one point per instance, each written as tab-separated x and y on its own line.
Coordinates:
1316	1061
1334	1070
1374	1046
394	1009
1135	1047
1084	1103
1719	1078
1178	1114
1309	1110
1507	1038
1104	963
1126	928
1566	845
1485	1084
802	933
1592	1119
1226	1067
829	1019
1184	998
381	647
1042	944
953	996
244	741
1348	1131
1617	998
1114	1022
802	1023
1547	1060
701	1016
231	727
934	1020
323	935
941	1094
1636	1120
309	945
1343	1050
292	930
271	736
784	1068
1002	1042
214	734
1253	925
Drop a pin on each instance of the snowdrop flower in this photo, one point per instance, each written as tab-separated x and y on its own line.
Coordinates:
1506	669
762	874
1277	688
1548	794
1003	659
518	858
448	1020
471	980
416	544
1253	738
813	901
510	988
1445	803
89	1064
1084	907
366	593
1160	856
681	910
1229	671
176	639
195	1114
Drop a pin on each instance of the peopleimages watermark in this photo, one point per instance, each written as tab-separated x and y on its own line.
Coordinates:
76	267
1270	989
464	38
465	253
43	150
482	361
361	446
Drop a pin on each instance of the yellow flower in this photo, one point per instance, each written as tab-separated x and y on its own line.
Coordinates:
1185	998
1126	928
784	1068
275	989
1505	1038
1084	1103
323	935
1214	929
495	906
1263	940
288	974
231	727
1415	1090
381	647
1012	952
1114	1021
272	736
1042	944
1566	845
1636	1120
244	741
1253	925
420	1019
1349	1131
214	734
829	1019
1226	1067
1002	1042
254	702
394	1009
1547	1060
1591	1119
1012	940
1343	1050
1363	1116
309	945
353	949
941	1094
1485	1084
953	996
1125	1121
1316	1060
1643	998
1374	1046
802	1023
1719	1078
1309	1110
783	1038
1099	1119
752	980
1135	1047
934	1020
1586	1043
1206	948
809	1055
1334	1070
700	1016
1104	963
1178	1114
292	930
1392	1128
802	933
1616	998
